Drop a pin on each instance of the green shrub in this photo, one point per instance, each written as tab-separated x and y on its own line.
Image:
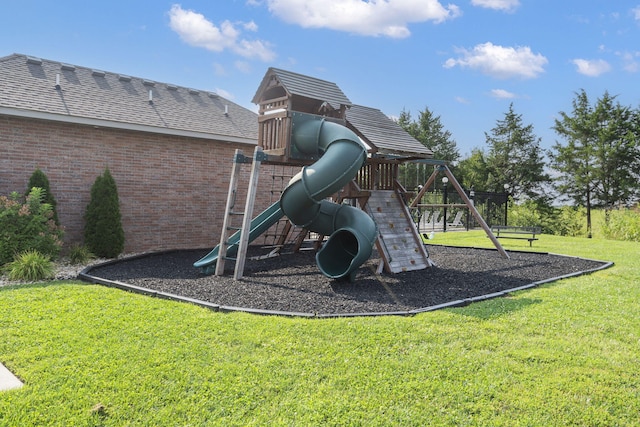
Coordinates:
30	266
40	180
623	224
524	215
27	225
80	255
569	221
103	233
563	221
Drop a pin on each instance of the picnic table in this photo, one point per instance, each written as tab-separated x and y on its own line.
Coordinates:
515	232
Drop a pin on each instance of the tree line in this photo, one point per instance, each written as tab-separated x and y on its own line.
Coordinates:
594	164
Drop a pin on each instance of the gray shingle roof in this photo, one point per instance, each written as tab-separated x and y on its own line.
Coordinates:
28	87
386	135
301	85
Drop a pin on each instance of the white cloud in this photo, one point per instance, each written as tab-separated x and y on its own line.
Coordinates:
243	66
580	19
632	67
630	61
591	68
196	30
461	100
505	5
219	69
502	94
251	26
500	62
388	18
636	13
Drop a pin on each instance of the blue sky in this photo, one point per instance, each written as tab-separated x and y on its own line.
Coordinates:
466	60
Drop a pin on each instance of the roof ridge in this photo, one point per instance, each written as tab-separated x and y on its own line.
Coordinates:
11	56
303	75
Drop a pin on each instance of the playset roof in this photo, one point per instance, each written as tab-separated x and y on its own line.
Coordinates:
383	134
299	85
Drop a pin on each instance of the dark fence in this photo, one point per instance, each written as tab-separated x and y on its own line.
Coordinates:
491	206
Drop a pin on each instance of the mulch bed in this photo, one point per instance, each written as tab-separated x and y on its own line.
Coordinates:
292	283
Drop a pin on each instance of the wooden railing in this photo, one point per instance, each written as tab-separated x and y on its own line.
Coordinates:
274	133
274	126
387	174
377	176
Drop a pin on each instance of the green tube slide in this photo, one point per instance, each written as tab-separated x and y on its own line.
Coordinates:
351	231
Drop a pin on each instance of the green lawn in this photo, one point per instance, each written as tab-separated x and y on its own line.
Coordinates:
566	353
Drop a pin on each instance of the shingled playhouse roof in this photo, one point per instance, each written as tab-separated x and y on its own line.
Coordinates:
40	88
301	85
383	135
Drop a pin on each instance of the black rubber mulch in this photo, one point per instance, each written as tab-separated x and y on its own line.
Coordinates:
292	283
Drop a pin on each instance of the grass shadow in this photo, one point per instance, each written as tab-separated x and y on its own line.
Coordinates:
495	308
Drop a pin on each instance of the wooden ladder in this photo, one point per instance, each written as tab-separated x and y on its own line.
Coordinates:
228	227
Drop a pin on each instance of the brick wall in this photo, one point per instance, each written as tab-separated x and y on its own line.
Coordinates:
172	189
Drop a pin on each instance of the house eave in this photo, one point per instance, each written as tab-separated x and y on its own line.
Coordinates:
88	121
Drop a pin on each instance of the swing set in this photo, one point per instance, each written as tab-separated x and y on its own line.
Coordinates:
415	205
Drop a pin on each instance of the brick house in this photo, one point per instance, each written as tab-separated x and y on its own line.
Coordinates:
168	148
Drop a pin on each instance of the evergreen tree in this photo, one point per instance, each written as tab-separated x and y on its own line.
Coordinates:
515	158
617	153
575	161
473	171
600	162
40	180
103	232
430	131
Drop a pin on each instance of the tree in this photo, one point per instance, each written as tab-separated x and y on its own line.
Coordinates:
40	180
574	160
103	232
600	162
515	158
430	131
616	153
473	171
